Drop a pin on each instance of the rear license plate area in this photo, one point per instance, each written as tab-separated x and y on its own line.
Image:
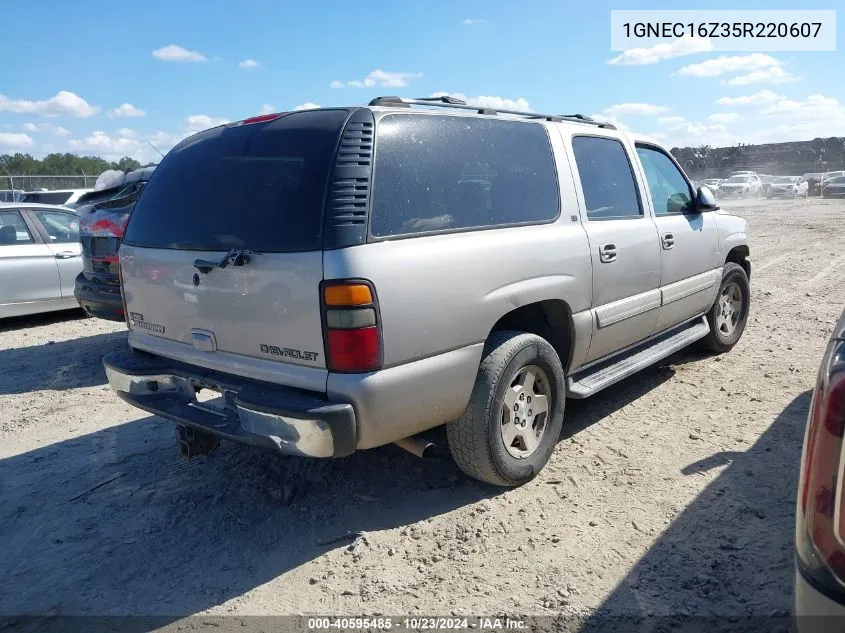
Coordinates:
210	399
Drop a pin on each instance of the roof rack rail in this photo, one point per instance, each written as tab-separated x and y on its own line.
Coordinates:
445	101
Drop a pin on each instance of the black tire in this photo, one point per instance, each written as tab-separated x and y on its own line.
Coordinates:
718	341
475	439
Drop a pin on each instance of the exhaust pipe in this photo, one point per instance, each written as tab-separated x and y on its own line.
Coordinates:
416	445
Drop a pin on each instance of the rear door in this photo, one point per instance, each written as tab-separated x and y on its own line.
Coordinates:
623	245
60	231
27	266
689	241
257	188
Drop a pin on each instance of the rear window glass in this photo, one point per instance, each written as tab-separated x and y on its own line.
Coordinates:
47	197
607	179
442	173
259	187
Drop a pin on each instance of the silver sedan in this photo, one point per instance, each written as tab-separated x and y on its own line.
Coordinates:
40	257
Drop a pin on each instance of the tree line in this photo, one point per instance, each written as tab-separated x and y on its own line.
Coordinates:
61	165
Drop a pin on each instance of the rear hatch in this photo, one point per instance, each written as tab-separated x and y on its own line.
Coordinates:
254	190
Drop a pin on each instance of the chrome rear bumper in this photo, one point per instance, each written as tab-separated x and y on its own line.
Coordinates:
291	421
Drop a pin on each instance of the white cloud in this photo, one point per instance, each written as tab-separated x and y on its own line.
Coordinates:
723	117
63	103
15	141
473	21
106	146
125	111
496	103
614	121
267	108
764	96
638	109
378	78
772	75
308	105
174	53
248	63
199	122
145	148
756	68
813	107
671	121
799	130
677	48
45	128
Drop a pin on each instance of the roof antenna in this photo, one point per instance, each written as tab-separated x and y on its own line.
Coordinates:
154	147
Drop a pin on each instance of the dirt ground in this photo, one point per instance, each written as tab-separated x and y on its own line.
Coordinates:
670	493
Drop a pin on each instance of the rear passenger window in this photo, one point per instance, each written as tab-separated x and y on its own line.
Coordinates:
63	228
606	178
441	173
13	229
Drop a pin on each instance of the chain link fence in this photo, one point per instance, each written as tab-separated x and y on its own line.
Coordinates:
25	182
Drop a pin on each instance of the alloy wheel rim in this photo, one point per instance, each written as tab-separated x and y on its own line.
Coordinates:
525	411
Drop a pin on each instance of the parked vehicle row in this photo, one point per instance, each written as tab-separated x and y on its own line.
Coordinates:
63	197
748	184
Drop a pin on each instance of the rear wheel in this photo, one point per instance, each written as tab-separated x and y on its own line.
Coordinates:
729	314
513	420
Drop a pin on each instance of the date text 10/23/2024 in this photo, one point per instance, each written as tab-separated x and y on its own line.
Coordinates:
416	623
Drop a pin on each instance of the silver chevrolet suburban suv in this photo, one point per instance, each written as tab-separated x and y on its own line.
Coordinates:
344	278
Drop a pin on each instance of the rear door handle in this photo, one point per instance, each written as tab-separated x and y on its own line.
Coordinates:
607	252
66	255
668	240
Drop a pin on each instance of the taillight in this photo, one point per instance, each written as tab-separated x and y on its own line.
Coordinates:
820	516
122	297
352	328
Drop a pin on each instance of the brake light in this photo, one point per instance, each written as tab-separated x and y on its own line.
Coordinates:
820	516
353	331
262	118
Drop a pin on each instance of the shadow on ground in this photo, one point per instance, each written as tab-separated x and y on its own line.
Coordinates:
115	523
13	324
61	365
708	562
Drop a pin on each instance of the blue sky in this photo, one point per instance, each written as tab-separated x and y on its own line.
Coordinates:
94	78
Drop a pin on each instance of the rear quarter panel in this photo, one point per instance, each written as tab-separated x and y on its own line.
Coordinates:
442	292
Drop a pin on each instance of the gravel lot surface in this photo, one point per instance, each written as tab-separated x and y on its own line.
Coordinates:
670	493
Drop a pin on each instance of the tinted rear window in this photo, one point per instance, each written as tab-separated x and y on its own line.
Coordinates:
259	187
47	197
442	173
607	178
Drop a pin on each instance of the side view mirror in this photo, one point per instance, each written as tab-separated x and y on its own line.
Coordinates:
705	200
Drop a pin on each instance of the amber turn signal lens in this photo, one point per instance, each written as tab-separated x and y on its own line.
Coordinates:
347	295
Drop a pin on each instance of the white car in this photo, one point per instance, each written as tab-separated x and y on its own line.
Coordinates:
713	185
741	186
64	197
40	257
788	187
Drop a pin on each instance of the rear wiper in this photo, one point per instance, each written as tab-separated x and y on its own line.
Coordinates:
236	257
